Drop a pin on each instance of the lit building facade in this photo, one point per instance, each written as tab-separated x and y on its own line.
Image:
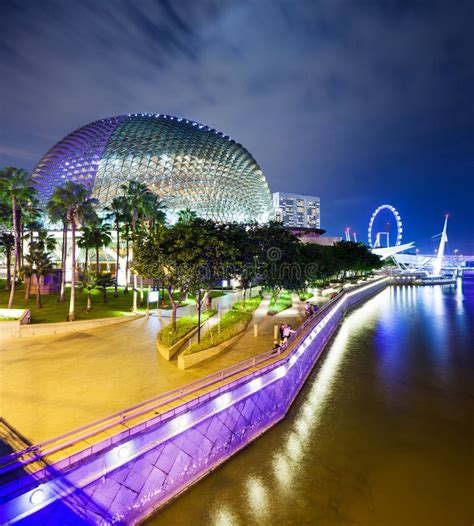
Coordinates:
295	210
187	164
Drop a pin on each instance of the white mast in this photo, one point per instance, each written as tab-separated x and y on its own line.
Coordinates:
439	258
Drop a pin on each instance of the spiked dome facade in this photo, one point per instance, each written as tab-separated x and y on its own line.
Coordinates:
187	164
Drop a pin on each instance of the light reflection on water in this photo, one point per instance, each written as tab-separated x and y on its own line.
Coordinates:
381	434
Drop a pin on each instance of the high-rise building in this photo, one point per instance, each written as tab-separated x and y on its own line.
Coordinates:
295	210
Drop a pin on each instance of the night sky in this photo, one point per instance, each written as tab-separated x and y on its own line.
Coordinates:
360	103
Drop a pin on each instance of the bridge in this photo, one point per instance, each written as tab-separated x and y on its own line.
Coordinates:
120	469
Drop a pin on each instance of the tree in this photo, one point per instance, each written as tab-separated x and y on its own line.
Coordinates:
245	241
7	239
7	242
136	194
279	265
144	206
318	262
211	258
43	243
31	221
88	282
118	212
79	209
186	216
152	211
39	264
86	243
171	256
103	281
57	212
97	235
15	184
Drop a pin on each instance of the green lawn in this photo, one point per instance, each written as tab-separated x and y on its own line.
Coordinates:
191	299
186	324
231	324
55	311
283	302
251	304
304	296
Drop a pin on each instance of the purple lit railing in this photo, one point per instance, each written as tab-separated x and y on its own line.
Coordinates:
41	449
129	473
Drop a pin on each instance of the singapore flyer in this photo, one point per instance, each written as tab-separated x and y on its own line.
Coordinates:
375	235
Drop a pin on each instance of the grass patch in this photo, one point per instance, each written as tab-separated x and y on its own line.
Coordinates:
251	304
55	311
231	324
282	302
190	300
184	325
304	296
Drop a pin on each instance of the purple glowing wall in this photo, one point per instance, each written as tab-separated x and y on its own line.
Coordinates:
127	482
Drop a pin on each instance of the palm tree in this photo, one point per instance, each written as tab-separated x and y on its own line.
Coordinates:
126	234
28	273
57	213
153	211
118	212
38	264
186	216
152	216
88	281
86	242
7	242
79	209
138	197
43	243
103	281
31	221
100	237
15	183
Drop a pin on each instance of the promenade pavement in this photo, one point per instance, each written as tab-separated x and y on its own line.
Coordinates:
52	384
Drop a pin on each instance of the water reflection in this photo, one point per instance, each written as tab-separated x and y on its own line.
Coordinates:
386	417
258	498
223	517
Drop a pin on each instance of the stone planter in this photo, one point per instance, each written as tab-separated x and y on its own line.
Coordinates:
11	329
169	352
188	360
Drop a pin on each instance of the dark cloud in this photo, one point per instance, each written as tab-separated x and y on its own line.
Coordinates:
358	102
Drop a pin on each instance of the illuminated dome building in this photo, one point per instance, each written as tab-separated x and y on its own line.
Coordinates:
187	164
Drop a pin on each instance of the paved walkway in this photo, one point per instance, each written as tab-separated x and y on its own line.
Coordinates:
248	346
52	384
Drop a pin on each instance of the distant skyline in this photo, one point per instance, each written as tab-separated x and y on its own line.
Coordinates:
360	103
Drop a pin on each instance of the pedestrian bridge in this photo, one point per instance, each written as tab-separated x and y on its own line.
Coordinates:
122	468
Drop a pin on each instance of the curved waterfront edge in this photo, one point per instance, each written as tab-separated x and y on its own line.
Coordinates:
139	475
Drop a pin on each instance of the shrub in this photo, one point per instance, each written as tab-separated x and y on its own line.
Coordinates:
304	296
184	325
282	302
231	324
251	304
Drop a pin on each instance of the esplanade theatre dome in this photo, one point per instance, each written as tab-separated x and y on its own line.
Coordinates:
187	164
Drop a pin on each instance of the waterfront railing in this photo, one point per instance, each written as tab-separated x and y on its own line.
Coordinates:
40	450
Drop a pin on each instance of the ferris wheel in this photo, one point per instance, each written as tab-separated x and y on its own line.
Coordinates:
398	220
